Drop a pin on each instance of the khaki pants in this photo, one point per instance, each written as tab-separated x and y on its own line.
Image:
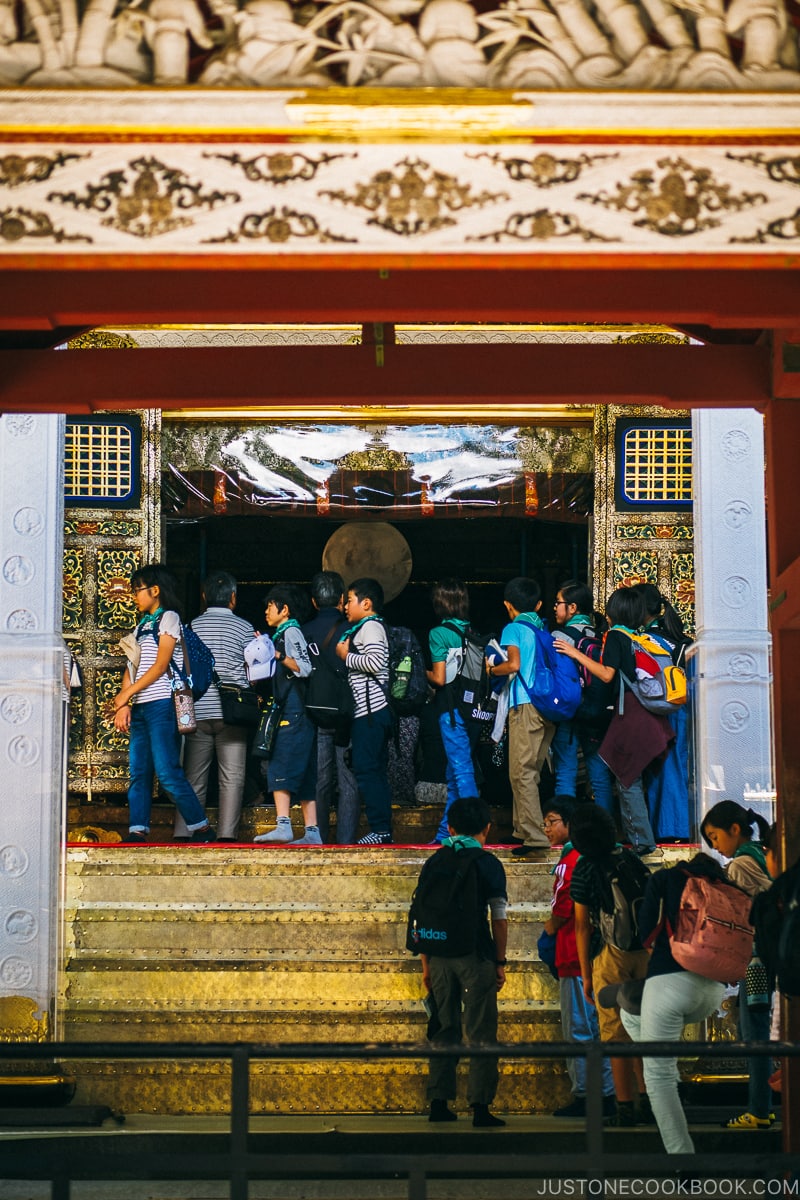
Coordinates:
465	991
529	738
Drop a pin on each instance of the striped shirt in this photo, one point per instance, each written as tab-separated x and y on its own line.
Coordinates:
169	622
368	668
226	636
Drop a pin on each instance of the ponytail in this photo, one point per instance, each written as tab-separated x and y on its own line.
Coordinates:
728	813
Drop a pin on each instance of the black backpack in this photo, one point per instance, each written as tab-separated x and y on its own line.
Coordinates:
445	915
470	692
776	918
623	883
408	683
328	697
597	698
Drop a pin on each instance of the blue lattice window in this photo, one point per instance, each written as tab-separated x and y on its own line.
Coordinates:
102	462
653	464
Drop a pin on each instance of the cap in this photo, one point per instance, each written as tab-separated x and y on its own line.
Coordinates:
260	658
627	995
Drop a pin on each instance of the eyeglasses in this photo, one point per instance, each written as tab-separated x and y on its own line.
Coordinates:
551	821
560	602
144	588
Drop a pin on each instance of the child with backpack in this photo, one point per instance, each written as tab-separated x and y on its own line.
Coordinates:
635	736
364	649
450	659
728	829
607	888
672	996
529	734
576	620
459	886
144	708
292	768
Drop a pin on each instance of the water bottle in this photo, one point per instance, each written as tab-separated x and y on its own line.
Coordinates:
402	678
756	984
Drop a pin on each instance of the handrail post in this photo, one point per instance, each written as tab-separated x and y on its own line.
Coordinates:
240	1121
594	1107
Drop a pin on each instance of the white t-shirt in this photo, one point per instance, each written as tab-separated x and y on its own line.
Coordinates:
169	623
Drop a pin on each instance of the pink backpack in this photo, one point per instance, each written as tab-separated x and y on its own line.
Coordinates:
713	936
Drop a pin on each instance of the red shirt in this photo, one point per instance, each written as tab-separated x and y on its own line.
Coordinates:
567	963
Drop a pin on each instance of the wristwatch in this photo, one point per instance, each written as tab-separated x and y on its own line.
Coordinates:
501	962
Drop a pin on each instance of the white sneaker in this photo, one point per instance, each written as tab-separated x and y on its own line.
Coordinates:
311	837
282	834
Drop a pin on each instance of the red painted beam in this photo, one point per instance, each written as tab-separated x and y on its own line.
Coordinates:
83	381
734	298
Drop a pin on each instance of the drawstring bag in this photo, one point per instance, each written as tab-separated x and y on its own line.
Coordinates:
267	732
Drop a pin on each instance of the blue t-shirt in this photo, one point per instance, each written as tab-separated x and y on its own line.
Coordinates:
518	633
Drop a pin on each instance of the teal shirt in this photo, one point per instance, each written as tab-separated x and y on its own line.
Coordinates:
519	634
441	639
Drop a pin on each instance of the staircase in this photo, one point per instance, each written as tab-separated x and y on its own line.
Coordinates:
249	944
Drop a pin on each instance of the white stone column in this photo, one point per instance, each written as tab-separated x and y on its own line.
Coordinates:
32	704
733	694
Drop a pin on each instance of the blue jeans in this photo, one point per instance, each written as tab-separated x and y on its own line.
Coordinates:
668	1003
155	748
568	737
755	1027
370	745
460	770
635	817
579	1024
334	777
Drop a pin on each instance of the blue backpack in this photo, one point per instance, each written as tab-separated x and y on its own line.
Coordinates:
555	691
198	661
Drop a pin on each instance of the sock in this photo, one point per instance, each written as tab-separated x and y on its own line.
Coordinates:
312	828
440	1111
284	821
483	1119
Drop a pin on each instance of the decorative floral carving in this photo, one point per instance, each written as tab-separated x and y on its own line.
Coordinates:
544	170
102	339
541	226
73	578
149	202
782	168
16	224
280	167
784	229
18	169
278	226
115	607
413	198
674	202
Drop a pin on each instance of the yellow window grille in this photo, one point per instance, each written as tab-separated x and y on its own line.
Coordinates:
99	461
657	465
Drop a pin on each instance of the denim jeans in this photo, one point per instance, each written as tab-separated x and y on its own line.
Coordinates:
460	770
370	743
579	1024
334	778
155	747
668	1003
568	737
755	1027
635	817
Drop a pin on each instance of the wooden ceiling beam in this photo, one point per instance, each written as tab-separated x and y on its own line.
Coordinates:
733	299
84	381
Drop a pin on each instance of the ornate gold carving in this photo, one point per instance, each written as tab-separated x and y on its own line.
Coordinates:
94	835
651	339
783	229
279	226
16	224
149	202
782	168
102	339
19	169
280	167
21	1020
673	203
73	588
413	200
542	226
544	170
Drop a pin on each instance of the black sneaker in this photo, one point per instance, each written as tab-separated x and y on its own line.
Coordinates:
538	853
136	837
375	839
206	834
577	1108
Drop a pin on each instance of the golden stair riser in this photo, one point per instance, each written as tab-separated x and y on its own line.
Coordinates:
234	933
304	1087
274	983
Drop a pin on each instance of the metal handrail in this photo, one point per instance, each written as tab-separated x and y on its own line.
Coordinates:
595	1165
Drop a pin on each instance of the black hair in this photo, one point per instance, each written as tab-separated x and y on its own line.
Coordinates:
368	589
562	806
218	587
728	813
580	594
522	593
658	608
282	594
450	598
592	831
327	589
157	575
469	815
625	607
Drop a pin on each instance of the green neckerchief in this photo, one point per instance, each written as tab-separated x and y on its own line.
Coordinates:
149	620
462	841
580	619
289	623
531	617
348	633
755	851
625	629
565	850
